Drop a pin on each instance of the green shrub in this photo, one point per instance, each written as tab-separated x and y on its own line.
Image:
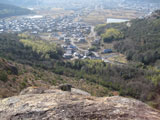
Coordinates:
112	34
14	79
3	76
23	85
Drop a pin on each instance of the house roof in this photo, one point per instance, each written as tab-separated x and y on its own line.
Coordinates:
107	50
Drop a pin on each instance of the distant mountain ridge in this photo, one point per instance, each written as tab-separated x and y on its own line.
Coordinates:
149	1
7	10
71	3
59	3
19	2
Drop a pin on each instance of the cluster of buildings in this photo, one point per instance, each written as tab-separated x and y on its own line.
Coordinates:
73	52
46	24
64	29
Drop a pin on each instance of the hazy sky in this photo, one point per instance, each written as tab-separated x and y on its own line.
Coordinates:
68	2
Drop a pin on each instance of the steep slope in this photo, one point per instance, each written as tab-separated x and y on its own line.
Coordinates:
28	50
142	40
54	104
141	46
15	77
7	10
95	76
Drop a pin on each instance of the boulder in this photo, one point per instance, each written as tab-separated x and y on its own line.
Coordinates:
80	92
62	105
65	87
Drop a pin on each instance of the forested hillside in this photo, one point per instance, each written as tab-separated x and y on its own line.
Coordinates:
141	39
28	50
98	78
20	2
10	10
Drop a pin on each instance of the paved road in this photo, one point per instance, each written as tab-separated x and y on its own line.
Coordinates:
72	42
93	33
105	59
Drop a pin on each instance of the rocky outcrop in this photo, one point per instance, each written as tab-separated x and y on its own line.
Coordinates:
55	104
32	90
65	87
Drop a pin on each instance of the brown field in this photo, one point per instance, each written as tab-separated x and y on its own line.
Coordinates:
116	57
55	12
84	46
107	46
100	16
46	36
119	58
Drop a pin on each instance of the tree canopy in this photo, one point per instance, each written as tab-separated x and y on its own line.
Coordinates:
112	34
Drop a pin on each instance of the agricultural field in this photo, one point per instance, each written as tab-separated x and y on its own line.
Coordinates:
83	46
100	16
118	58
55	12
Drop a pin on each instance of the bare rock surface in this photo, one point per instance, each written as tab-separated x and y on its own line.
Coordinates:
80	92
32	90
55	104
